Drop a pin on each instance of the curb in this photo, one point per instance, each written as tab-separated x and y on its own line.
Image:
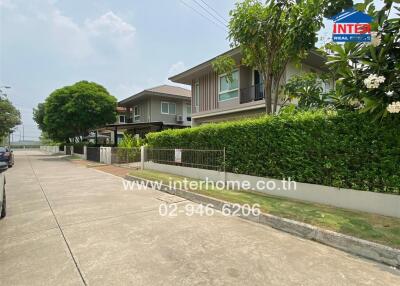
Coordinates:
363	248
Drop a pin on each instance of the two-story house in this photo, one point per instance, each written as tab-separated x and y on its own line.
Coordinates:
154	109
215	99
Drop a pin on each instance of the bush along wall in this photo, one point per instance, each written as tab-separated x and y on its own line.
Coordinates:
344	150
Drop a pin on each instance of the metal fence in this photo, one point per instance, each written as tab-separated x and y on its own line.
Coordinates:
79	149
203	159
93	154
127	157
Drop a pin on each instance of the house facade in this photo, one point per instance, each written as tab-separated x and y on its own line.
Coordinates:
215	99
155	109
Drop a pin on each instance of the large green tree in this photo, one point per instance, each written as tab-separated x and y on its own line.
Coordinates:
9	116
273	33
71	111
270	35
331	8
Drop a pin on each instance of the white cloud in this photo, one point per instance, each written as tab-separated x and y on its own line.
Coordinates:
69	37
7	4
111	24
175	69
90	39
110	32
125	90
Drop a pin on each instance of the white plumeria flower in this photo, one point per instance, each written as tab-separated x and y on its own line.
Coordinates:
394	107
373	81
376	39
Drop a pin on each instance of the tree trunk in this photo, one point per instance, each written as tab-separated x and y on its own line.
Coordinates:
277	81
267	92
276	92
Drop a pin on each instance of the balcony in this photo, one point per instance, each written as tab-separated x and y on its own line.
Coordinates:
252	93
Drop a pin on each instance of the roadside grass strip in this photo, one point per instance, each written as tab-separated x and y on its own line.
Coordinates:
370	227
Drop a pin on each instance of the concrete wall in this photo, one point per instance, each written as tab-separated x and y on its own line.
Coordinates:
50	149
150	110
143	111
105	155
379	203
168	118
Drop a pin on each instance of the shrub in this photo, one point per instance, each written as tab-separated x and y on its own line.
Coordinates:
128	148
342	149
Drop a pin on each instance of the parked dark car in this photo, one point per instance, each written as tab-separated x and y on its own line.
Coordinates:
3	167
6	155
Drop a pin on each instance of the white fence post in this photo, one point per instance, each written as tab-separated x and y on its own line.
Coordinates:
142	153
108	155
105	155
102	155
85	152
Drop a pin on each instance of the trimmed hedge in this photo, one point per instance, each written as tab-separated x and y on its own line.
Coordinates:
343	149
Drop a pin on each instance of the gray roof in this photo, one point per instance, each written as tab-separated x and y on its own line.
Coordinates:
314	59
161	90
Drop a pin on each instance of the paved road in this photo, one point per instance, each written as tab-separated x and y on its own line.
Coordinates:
71	225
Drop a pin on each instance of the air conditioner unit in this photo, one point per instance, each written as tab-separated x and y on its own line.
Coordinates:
179	118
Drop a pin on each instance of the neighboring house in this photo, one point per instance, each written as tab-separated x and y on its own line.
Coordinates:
215	99
155	109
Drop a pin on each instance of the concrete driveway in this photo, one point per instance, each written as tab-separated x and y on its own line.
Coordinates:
72	225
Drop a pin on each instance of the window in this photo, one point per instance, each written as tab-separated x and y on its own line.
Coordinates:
196	96
136	113
228	89
168	108
172	108
164	107
122	119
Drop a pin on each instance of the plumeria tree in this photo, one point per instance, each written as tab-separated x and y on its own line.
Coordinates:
369	73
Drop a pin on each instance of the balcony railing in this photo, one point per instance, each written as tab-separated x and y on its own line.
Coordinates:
252	93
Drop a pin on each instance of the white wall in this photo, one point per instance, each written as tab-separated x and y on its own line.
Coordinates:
50	149
379	203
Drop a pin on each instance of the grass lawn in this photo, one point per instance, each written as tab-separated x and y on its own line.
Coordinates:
73	157
372	227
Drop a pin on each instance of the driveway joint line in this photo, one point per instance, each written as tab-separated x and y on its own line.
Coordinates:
58	224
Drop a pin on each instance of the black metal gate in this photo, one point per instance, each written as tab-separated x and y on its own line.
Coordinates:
93	154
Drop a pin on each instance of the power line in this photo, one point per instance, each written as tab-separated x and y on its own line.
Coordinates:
209	13
215	11
201	14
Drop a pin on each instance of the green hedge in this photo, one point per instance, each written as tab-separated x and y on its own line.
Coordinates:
344	150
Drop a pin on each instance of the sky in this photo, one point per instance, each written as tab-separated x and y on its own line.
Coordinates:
124	45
